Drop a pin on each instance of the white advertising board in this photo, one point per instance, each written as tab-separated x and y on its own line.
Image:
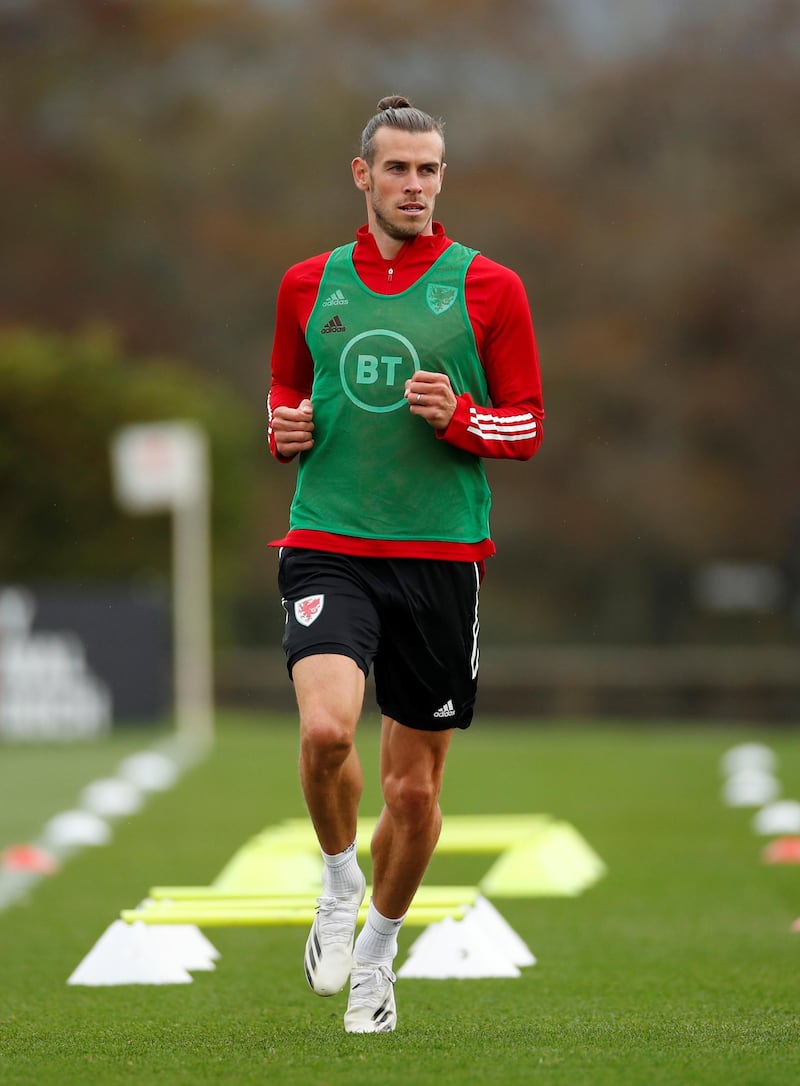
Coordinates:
158	466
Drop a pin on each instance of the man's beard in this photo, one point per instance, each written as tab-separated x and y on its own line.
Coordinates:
398	231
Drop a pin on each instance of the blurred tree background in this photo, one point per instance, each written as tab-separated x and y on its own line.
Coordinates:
163	161
61	399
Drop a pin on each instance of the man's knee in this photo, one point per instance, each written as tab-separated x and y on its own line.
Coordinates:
325	739
411	798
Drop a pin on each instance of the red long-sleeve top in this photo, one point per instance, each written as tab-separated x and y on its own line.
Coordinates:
510	427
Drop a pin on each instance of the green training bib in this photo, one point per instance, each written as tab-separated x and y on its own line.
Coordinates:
376	471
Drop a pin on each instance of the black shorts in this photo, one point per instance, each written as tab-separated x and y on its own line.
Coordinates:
415	619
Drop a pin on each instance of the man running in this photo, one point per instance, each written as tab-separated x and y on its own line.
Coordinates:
400	362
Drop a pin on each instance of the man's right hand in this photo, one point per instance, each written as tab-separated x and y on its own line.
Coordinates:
293	428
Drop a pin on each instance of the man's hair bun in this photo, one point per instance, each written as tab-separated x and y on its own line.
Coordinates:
395	111
393	101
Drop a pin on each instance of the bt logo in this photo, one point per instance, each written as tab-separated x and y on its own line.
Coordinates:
368	371
374	367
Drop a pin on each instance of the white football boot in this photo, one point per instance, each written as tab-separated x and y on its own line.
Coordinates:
371	1007
329	947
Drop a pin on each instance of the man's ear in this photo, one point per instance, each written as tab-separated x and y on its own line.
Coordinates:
361	174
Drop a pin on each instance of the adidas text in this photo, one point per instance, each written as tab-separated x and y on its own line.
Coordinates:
337	298
446	710
333	325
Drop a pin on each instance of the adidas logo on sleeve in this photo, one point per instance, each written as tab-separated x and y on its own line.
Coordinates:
337	298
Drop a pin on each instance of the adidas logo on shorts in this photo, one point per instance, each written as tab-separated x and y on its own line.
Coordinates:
446	710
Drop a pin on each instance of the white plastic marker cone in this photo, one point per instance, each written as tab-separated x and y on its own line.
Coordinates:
500	932
183	943
111	797
748	756
456	948
750	788
127	954
76	829
778	818
149	770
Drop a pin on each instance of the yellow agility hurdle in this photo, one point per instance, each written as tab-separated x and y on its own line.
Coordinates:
208	906
221	916
275	877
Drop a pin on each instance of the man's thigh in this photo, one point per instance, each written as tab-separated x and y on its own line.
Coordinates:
330	693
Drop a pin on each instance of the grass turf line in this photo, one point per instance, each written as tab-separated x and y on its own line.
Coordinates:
678	967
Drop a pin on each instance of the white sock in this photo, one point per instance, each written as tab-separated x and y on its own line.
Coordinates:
341	875
377	942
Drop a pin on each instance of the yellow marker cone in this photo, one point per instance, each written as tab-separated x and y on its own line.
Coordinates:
558	864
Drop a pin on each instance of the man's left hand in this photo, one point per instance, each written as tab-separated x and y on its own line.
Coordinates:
430	395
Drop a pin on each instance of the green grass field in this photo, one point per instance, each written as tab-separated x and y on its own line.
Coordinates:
679	967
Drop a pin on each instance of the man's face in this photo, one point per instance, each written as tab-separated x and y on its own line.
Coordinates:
402	183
